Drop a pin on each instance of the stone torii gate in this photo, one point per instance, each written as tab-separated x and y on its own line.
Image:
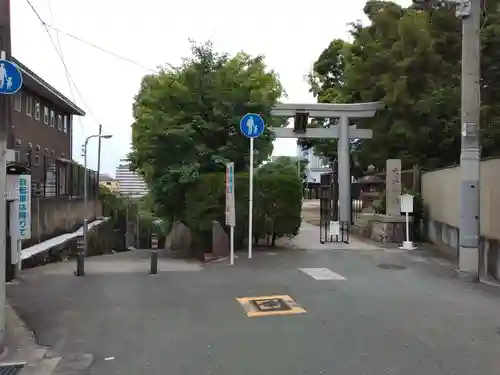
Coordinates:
344	112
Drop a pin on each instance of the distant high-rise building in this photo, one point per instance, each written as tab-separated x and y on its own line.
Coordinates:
129	182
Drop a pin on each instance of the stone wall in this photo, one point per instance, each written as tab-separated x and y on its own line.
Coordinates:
52	216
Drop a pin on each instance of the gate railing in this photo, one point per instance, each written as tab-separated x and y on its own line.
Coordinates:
335	231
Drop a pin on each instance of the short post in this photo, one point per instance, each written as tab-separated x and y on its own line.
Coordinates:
407	208
154	255
154	241
80	265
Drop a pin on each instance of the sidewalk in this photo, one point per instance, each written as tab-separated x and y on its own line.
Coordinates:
21	347
132	261
309	239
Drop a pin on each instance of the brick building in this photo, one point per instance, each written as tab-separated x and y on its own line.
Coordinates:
41	135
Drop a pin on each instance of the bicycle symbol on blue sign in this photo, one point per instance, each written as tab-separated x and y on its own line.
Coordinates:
252	125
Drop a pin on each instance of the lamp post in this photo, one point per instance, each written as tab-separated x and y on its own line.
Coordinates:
85	220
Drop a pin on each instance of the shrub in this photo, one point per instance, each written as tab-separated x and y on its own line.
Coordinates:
206	202
277	205
278	201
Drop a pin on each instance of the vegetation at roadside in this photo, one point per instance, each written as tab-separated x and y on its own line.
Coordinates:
409	59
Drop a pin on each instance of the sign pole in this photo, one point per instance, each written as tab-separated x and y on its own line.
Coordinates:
406	202
250	202
407	220
251	126
231	245
230	209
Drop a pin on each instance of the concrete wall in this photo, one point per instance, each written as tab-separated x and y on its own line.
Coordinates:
441	194
52	216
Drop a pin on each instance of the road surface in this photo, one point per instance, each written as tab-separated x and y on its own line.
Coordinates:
367	312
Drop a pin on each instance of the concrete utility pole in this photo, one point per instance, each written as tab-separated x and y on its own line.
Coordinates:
470	162
5	121
469	11
301	113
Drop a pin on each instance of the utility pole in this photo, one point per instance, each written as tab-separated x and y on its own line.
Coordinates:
5	121
468	257
99	157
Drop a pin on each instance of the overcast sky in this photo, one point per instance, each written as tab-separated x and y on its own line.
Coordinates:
291	35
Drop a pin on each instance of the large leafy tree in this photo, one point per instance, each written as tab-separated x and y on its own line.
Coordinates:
409	59
187	121
291	164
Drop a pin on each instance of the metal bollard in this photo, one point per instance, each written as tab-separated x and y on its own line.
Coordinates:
154	262
80	258
154	241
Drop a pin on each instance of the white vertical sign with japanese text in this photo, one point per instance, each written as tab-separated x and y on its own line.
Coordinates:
230	209
24	206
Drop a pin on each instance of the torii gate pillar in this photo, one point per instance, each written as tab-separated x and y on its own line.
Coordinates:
344	112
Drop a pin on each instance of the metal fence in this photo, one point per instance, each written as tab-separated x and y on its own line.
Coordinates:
54	177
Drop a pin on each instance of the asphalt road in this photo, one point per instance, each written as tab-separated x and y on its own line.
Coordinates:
393	313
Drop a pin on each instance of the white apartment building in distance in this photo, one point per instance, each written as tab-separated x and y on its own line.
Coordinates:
316	166
130	183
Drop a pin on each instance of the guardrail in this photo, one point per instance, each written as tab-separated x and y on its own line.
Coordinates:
57	241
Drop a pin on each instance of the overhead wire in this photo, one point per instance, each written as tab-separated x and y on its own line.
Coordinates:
57	30
70	79
64	63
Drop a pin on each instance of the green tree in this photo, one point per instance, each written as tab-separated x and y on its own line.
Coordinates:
409	59
187	121
288	164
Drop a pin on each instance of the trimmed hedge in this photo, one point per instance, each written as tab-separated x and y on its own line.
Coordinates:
277	205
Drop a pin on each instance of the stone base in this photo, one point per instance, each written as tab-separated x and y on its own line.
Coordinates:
389	229
382	228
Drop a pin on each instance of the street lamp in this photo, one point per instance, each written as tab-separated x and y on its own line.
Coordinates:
85	220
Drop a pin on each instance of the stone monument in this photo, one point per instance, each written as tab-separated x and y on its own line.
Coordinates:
393	187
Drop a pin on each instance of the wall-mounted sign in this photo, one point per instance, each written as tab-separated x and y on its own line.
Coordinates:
25	206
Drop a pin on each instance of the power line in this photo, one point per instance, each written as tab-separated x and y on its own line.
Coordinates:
70	79
101	48
64	63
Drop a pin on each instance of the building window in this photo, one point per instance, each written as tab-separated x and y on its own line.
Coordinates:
52	119
59	122
65	124
45	115
37	110
18	98
29	104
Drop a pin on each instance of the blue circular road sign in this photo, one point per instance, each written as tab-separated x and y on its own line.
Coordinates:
11	79
252	125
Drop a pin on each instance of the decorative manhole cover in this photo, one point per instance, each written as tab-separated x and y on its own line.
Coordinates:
391	266
11	369
273	304
270	305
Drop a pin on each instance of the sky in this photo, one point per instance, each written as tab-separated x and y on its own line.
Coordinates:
290	34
